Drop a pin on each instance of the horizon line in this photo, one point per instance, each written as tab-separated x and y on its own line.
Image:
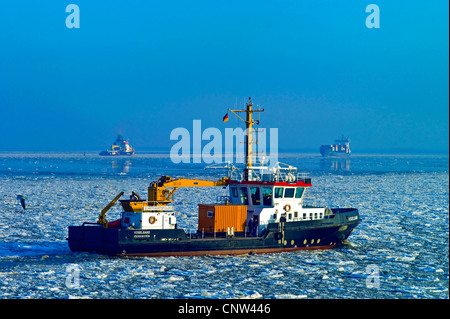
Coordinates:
388	151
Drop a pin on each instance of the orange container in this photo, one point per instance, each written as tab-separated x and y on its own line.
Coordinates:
217	218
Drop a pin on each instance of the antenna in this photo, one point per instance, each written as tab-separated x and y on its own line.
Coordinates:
249	121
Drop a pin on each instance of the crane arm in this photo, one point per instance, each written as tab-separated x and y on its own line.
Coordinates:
184	182
101	217
157	191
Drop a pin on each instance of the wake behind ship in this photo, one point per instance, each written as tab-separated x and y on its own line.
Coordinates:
265	212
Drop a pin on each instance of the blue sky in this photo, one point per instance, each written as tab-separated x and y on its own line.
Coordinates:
147	67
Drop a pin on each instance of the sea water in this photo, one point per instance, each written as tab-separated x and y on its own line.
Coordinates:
400	249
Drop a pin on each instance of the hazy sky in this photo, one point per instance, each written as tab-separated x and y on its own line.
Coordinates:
147	67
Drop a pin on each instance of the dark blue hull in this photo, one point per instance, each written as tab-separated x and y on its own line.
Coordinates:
278	237
327	151
106	153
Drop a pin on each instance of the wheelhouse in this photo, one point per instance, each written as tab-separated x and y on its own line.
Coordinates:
265	195
272	197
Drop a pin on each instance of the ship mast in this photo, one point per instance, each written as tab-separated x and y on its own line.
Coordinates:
249	121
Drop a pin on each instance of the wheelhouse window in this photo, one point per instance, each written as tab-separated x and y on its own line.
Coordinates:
267	196
289	192
244	196
299	192
256	197
278	192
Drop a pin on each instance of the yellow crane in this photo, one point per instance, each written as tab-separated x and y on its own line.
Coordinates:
159	193
101	217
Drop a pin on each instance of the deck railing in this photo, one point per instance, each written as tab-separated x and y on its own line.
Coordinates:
278	173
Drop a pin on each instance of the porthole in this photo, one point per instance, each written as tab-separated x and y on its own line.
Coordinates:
304	242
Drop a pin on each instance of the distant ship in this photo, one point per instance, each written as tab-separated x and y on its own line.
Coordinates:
120	147
340	148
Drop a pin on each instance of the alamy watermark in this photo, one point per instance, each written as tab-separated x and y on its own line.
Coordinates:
73	19
373	19
209	146
73	276
373	278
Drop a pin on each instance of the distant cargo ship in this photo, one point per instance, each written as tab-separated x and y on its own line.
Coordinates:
120	147
340	148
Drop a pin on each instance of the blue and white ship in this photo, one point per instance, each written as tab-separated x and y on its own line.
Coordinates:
265	212
120	147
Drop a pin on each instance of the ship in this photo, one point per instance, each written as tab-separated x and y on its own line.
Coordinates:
340	148
120	147
265	212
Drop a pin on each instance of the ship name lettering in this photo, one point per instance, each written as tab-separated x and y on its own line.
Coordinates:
142	232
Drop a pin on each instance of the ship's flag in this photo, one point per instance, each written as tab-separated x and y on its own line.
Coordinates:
225	118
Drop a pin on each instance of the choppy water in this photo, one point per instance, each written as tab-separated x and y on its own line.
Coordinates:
400	250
